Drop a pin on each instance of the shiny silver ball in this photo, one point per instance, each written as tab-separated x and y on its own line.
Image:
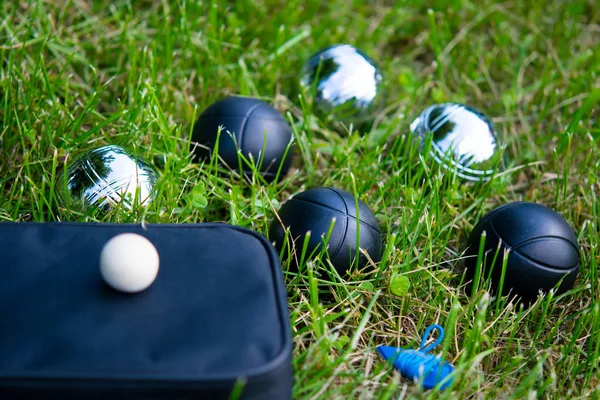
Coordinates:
106	177
343	84
462	140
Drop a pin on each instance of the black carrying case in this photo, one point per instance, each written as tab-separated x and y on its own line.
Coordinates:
214	324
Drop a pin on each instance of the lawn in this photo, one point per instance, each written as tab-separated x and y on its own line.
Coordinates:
79	74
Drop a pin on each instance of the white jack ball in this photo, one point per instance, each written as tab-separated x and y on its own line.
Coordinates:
129	263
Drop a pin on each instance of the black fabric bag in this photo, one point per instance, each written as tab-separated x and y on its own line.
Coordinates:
214	324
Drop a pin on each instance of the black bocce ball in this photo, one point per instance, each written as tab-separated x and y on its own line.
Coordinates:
313	210
543	249
250	125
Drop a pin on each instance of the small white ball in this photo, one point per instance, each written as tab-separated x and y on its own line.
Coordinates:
129	262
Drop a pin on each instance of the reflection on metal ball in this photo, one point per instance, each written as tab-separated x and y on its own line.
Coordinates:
462	139
343	83
106	177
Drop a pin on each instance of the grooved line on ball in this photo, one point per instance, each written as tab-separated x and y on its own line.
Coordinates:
346	230
544	265
244	122
535	239
516	251
531	240
547	267
337	211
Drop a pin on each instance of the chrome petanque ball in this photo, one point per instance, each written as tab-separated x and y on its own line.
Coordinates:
462	139
343	84
106	177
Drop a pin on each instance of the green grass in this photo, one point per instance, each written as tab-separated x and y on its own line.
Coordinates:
78	74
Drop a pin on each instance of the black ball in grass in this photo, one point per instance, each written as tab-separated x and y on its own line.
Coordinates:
250	125
313	210
543	250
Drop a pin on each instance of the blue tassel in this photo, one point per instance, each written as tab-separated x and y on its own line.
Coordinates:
418	364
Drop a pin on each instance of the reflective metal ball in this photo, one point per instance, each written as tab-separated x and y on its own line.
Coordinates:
106	177
462	139
343	84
